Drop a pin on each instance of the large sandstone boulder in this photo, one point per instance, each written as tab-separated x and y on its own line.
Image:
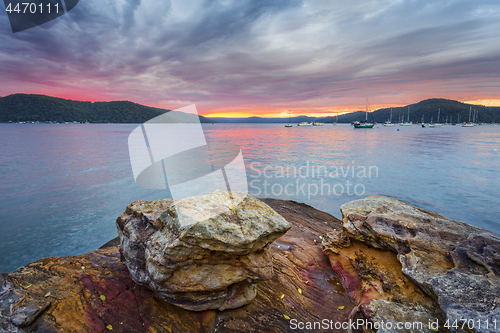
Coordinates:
202	252
456	264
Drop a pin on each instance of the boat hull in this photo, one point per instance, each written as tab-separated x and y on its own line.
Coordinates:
363	125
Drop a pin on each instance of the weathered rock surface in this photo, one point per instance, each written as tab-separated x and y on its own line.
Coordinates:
456	264
94	292
374	281
388	277
202	252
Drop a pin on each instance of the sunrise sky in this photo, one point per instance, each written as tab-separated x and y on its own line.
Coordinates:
249	57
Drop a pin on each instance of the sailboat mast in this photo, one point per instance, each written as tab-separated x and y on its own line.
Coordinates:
470	110
408	113
366	115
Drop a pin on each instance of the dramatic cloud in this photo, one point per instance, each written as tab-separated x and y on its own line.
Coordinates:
259	56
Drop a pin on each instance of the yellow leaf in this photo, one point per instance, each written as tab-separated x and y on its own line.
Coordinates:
109	327
83	267
28	286
286	317
300	290
102	297
47	294
326	222
320	237
282	295
307	282
341	307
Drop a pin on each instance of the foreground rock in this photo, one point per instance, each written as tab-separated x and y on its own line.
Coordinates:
398	264
456	264
94	292
202	252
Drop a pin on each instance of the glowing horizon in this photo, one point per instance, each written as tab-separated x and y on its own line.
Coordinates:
341	111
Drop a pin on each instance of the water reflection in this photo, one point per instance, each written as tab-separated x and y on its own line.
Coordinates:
64	185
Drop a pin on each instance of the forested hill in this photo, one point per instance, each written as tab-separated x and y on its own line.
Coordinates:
23	107
429	108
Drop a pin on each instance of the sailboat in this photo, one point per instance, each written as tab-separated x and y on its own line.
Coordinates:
304	123
423	123
289	119
437	124
364	124
389	122
469	124
336	119
407	123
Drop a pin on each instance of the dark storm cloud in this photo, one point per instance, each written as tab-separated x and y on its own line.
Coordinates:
224	53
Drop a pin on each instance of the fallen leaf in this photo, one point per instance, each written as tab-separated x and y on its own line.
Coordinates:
300	290
282	295
83	267
109	327
320	237
47	294
28	286
341	307
326	222
102	297
307	282
286	317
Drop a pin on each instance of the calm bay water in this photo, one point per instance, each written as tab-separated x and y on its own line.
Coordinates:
63	186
